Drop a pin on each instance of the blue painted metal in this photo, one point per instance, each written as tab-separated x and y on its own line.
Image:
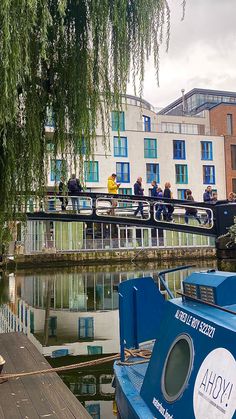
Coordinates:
210	389
139	301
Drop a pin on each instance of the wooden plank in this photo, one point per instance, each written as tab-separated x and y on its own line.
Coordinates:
70	403
43	395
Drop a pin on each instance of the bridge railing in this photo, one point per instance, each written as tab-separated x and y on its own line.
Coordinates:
128	208
192	217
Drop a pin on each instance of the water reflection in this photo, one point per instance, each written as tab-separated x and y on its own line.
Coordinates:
74	311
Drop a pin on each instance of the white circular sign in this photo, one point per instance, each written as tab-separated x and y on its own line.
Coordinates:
215	386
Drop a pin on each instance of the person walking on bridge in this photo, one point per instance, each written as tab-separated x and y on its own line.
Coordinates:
170	208
74	188
138	190
112	188
207	198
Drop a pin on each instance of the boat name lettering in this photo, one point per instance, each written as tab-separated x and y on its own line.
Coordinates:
164	412
195	323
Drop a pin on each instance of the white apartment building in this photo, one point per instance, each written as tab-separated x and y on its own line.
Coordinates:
178	149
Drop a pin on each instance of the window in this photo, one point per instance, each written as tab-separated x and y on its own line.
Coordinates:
209	175
233	157
125	191
118	121
150	148
120	147
122	172
82	147
86	328
181	193
206	150
146	123
229	124
181	173
177	368
91	171
170	127
152	170
234	185
50	118
178	149
58	167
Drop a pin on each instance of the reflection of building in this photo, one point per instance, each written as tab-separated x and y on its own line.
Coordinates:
68	312
93	389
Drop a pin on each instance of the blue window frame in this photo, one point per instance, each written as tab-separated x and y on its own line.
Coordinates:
86	328
181	193
181	173
125	191
58	167
150	148
120	147
209	175
179	149
206	150
152	170
91	173
122	172
118	121
146	123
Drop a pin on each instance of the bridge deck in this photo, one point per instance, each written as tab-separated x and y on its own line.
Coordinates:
39	396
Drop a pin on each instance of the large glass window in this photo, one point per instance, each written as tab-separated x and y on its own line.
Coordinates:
120	147
146	123
179	149
91	173
152	170
150	148
122	172
233	157
209	175
118	121
58	168
181	173
206	150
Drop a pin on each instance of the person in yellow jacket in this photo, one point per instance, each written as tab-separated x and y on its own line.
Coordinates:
112	187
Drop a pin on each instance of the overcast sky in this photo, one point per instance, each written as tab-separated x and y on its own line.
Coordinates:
202	51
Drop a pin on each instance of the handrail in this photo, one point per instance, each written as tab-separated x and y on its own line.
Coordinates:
161	276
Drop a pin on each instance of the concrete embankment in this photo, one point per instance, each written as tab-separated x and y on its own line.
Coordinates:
109	257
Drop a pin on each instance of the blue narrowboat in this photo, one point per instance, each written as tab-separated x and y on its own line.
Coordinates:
191	372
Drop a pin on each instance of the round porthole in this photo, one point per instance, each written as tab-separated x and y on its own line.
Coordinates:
177	368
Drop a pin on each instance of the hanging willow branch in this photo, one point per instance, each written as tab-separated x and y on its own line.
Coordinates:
72	57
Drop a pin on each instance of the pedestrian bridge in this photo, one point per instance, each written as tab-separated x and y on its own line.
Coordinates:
212	219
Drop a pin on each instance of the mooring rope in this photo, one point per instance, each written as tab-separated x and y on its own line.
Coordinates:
129	353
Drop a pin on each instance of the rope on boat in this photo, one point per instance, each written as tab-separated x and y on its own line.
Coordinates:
129	353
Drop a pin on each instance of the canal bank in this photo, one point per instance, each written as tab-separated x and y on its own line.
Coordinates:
95	257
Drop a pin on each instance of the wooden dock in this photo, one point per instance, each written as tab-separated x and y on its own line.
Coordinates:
37	396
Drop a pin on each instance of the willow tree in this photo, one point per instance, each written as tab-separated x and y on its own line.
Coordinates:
73	57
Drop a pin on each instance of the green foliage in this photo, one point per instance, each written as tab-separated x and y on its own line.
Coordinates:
232	233
73	57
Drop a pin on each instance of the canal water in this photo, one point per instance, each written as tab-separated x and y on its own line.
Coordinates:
71	315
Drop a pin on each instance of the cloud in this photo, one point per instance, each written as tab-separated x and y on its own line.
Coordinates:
201	52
